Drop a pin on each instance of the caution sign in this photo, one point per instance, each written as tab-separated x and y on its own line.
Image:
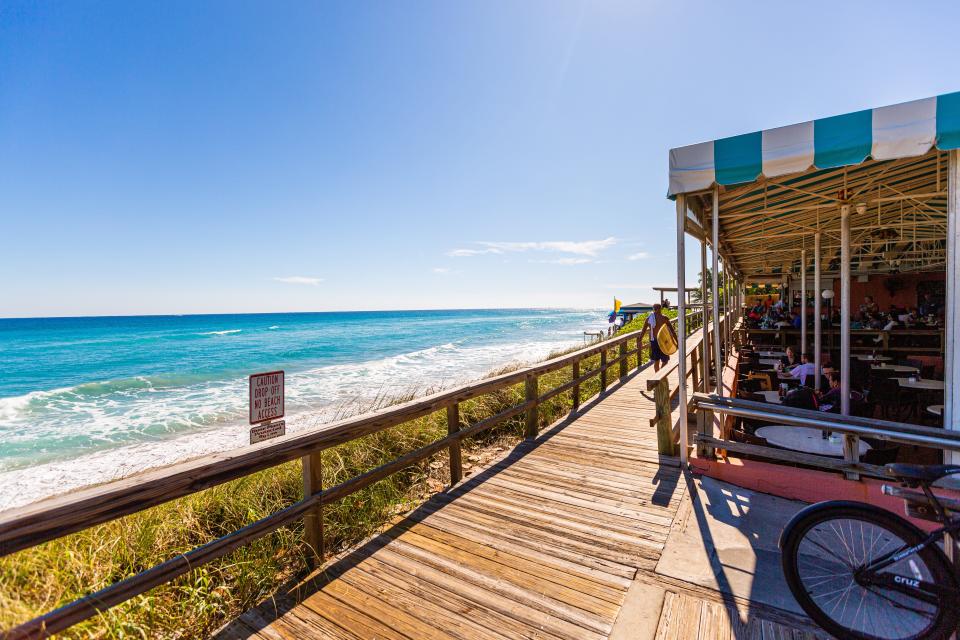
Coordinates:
266	396
267	430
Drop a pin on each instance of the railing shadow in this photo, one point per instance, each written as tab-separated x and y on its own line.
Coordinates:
295	591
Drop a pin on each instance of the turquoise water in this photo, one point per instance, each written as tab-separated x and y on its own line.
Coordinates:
98	398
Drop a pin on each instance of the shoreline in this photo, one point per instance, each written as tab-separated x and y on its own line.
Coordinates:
30	484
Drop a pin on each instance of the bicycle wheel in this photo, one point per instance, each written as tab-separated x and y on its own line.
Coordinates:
826	543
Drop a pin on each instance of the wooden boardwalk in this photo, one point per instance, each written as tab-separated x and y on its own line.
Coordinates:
545	543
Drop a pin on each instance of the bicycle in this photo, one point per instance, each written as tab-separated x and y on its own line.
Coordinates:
862	572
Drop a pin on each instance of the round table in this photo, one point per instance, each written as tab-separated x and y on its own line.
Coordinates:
772	397
805	439
936	409
898	368
874	358
921	385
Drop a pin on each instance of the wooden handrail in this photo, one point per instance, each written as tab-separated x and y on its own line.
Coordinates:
62	515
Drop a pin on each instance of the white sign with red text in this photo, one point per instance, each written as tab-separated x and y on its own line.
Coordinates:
266	396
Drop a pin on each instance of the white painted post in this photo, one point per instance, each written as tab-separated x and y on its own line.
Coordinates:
951	419
817	330
715	284
705	343
845	309
851	444
803	301
682	325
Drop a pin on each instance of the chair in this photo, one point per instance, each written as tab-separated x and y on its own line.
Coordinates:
928	371
880	453
750	385
766	379
748	438
888	394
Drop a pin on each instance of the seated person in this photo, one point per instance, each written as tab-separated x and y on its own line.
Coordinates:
928	307
797	321
805	369
830	400
868	308
800	398
791	359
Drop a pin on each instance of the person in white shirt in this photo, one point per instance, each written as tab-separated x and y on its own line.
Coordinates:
805	369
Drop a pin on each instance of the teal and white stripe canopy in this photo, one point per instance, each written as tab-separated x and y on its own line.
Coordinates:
888	133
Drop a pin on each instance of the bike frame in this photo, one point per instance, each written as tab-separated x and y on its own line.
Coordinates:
919	589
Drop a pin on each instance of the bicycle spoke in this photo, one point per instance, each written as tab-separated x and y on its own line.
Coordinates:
827	560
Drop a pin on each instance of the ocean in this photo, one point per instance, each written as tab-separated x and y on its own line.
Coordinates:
86	400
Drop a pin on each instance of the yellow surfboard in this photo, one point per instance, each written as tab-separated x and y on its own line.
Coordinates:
665	339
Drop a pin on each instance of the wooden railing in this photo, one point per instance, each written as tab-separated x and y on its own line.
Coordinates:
57	517
850	427
932	339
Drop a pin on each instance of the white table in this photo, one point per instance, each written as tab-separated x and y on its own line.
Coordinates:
771	361
771	354
806	439
874	358
898	368
921	385
936	409
771	396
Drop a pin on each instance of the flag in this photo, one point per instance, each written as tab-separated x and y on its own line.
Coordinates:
616	305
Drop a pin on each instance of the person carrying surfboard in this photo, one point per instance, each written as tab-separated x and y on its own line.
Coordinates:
656	321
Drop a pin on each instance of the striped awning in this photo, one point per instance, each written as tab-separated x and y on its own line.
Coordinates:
888	133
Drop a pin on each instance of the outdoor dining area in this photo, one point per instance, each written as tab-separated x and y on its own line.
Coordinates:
834	245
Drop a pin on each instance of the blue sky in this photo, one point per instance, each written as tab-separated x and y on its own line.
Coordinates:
180	157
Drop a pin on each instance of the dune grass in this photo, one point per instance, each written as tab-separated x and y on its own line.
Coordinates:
40	579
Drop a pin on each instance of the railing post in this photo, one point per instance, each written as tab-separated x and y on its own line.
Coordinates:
603	370
705	427
532	393
639	351
313	519
695	367
453	426
661	398
575	373
622	353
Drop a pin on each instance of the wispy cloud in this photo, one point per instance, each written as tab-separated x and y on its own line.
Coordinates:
444	271
640	255
589	248
312	282
467	253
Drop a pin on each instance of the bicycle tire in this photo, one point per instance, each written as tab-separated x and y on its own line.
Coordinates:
944	619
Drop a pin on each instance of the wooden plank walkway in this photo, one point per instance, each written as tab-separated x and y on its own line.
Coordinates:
544	543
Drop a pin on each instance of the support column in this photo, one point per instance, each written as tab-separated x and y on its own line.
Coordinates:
851	444
951	415
803	301
845	309
705	343
682	326
817	329
715	286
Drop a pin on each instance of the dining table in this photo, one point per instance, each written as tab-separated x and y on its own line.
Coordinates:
897	368
771	354
806	440
921	384
936	409
770	361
